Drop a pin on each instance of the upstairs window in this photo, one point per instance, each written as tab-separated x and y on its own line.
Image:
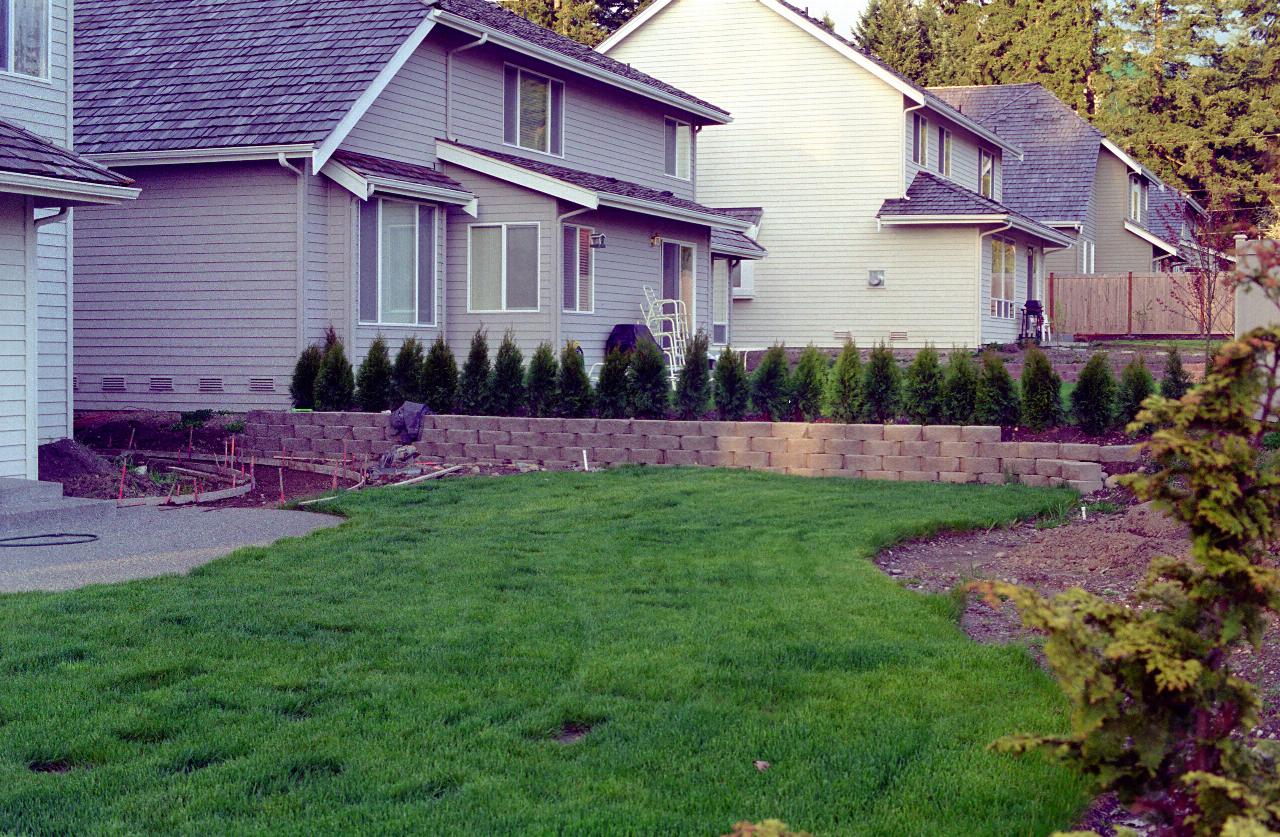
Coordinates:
679	149
986	173
533	111
579	270
24	37
1137	198
919	140
944	151
397	271
1004	267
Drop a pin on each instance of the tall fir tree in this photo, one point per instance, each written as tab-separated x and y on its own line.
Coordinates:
577	19
899	34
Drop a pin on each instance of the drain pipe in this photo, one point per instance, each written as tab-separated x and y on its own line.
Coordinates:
978	324
557	311
60	215
448	81
301	248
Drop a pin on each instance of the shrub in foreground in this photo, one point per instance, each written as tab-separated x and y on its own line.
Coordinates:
693	386
732	387
374	389
335	382
540	385
809	383
1093	400
473	386
771	385
1136	384
506	391
573	387
438	382
406	372
611	391
1041	391
1176	381
922	390
960	388
648	382
881	386
845	393
302	387
996	401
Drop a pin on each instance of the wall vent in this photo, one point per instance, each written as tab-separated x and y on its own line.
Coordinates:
113	383
161	383
208	385
75	383
842	336
262	385
897	336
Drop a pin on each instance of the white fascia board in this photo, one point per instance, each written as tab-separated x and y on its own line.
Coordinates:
371	94
1070	225
366	187
1041	232
954	116
1133	164
632	25
749	255
348	179
234	154
61	189
517	175
1151	238
500	38
675	213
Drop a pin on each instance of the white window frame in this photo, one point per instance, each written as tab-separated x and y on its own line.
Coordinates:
436	213
1137	198
729	265
984	154
591	251
551	113
920	140
7	68
1002	307
944	151
1087	254
693	310
503	226
675	163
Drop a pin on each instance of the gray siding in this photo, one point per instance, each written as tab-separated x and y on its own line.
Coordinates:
1119	250
198	278
406	119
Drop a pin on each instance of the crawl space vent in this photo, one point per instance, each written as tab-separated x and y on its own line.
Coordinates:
262	385
113	383
208	385
897	336
75	383
161	383
842	336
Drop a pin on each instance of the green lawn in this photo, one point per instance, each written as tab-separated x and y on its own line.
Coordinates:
409	671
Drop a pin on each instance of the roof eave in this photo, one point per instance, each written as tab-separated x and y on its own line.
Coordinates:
675	213
969	124
66	191
741	253
365	187
961	219
520	176
179	156
1151	238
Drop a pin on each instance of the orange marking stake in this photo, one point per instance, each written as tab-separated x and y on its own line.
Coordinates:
282	483
123	465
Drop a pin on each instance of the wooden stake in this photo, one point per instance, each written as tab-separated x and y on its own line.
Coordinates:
191	441
124	463
282	483
132	430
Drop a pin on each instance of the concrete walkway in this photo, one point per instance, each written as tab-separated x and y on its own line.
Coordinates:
141	543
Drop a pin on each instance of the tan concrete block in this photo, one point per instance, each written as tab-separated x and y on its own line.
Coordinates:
623	440
680	457
546	425
464	437
919	476
368	434
613	425
296	445
511	453
683	428
546	453
1049	467
610	456
961	449
789	460
844	446
642	456
1018	466
479	451
920	448
863	462
980	465
991	479
903	432
716	458
942	433
825	461
1000	450
309	431
1079	453
789	430
1085	486
494	437
804	445
525	438
590	440
824	430
1034	480
733	443
649	427
940	463
902	463
881	475
513	424
979	433
697	442
1038	450
660	441
329	447
768	444
957	477
876	447
1081	471
450	451
750	459
864	432
479	423
1119	453
561	439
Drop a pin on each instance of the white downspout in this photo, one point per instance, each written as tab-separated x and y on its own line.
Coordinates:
448	81
982	235
558	308
302	250
61	215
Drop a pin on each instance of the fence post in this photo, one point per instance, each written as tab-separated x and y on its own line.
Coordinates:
1130	307
1051	299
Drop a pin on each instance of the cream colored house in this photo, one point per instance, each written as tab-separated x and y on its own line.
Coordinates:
881	203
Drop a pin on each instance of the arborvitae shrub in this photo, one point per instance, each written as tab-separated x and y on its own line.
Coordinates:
693	387
648	383
960	388
1176	381
771	385
881	386
540	385
809	383
373	382
506	390
573	388
336	382
1093	400
1136	384
302	388
733	387
1041	392
439	381
922	390
406	372
473	385
611	391
845	385
996	401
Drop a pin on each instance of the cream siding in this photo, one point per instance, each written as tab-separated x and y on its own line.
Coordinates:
17	401
1119	251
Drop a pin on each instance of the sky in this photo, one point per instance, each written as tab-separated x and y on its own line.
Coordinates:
844	12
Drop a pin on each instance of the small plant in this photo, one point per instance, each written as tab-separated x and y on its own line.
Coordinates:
1176	381
234	427
1041	392
506	389
373	381
1136	385
732	388
809	383
997	398
573	387
766	828
693	387
438	382
648	383
922	392
406	372
611	390
960	388
335	382
846	385
1271	440
473	387
771	385
881	386
540	384
302	389
1093	400
193	419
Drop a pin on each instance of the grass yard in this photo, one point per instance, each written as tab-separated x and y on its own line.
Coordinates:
412	671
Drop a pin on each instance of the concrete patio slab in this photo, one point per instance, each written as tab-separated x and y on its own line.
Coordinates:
132	543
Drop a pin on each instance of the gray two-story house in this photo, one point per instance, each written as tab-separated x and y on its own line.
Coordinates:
399	169
41	179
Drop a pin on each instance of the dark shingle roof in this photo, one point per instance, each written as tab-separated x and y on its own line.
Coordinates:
930	194
750	214
728	241
367	165
23	152
158	75
1054	179
1166	211
599	182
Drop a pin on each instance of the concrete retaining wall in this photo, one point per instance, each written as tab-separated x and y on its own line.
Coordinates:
936	453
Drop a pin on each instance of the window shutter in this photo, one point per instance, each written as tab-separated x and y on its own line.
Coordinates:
369	261
426	264
671	147
511	105
570	263
557	118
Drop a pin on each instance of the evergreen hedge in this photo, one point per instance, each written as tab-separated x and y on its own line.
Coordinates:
302	387
693	386
809	384
881	386
611	391
406	372
648	383
473	386
960	388
335	382
922	392
1176	381
506	390
540	385
1093	400
1041	392
771	385
996	401
438	382
1136	385
573	387
732	387
845	385
374	389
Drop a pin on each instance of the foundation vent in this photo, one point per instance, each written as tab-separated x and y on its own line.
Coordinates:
210	385
262	385
842	336
897	336
161	383
75	383
113	383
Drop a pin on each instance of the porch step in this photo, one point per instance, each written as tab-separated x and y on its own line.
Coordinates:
16	492
52	515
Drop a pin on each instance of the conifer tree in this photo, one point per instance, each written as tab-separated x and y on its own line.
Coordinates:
335	382
648	382
302	388
897	33
1176	381
1041	391
881	386
439	380
406	372
373	382
611	392
540	385
1136	385
573	387
732	395
1093	399
845	393
923	390
693	386
771	384
809	383
996	401
575	19
473	388
960	390
506	392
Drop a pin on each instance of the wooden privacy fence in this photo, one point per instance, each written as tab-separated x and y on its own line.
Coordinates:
1116	304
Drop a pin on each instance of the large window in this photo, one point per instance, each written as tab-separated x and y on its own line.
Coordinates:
397	268
986	173
1138	198
679	280
1004	266
24	37
722	271
919	140
579	270
944	151
533	111
502	267
679	156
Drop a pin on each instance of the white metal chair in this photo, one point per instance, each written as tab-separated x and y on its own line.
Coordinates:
667	320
